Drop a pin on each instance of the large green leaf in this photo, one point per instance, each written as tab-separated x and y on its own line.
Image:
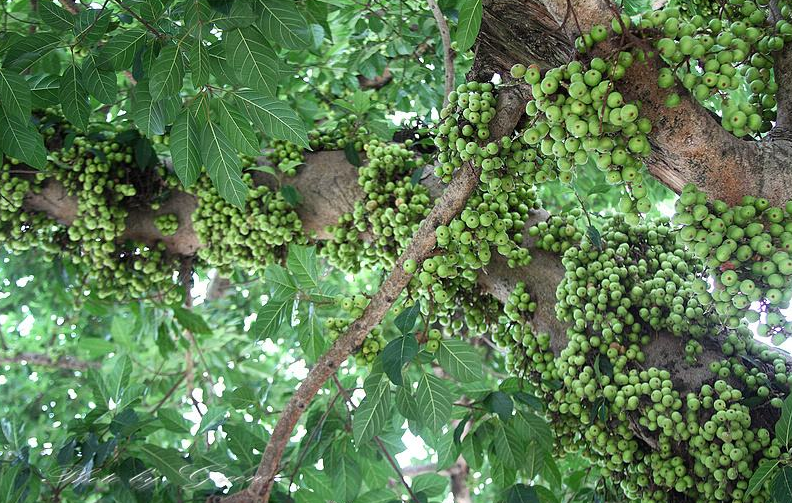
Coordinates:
237	127
169	462
74	98
200	63
185	138
119	52
223	165
29	50
396	354
55	16
279	281
253	60
460	360
782	485
469	24
347	479
302	263
281	22
167	73
100	83
271	317
434	401
14	95
274	117
430	484
20	140
151	116
311	337
44	89
507	445
118	378
531	427
90	25
521	493
783	427
764	472
372	414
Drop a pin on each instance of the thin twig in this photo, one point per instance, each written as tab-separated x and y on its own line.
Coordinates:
448	52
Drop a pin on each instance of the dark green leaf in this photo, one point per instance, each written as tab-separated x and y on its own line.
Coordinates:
274	117
20	140
281	22
214	417
185	140
303	265
396	354
459	359
14	95
100	83
253	60
468	24
167	73
74	98
500	403
280	282
371	415
405	321
521	493
763	473
434	401
311	337
352	154
173	421
119	52
190	320
55	16
271	317
291	195
169	462
90	25
783	427
782	485
223	165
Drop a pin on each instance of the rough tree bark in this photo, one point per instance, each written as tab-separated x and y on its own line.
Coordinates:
689	145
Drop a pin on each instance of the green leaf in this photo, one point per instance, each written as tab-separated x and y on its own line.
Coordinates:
782	486
152	116
274	117
14	95
532	427
469	24
281	22
20	140
118	378
169	462
507	445
270	318
44	89
352	154
372	414
214	417
431	484
101	84
764	472
311	338
500	403
185	140
521	493
237	128
405	321
119	52
290	193
783	427
303	265
167	73
434	401
74	98
29	50
190	320
253	60
459	359
90	25
55	16
407	405
173	421
280	282
396	354
242	398
240	16
223	165
347	479
200	63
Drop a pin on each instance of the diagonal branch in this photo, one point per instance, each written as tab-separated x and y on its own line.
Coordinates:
449	205
63	362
